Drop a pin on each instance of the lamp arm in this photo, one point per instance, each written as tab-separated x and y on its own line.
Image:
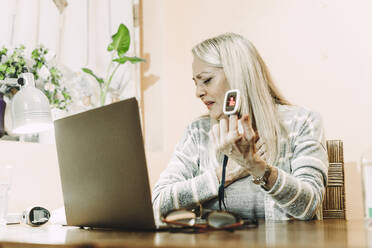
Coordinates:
6	83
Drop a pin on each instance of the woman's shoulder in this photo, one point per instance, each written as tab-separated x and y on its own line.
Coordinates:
291	112
198	129
294	116
201	123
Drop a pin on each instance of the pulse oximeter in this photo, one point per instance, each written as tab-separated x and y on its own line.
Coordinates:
232	102
232	105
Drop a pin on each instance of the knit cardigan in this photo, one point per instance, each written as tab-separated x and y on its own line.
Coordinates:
190	178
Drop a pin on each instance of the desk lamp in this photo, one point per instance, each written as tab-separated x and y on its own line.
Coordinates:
30	108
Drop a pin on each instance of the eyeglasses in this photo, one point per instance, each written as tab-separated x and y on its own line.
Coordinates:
210	219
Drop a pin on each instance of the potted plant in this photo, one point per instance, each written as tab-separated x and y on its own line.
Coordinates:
48	78
118	48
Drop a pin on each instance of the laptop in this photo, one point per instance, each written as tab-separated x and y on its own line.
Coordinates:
103	168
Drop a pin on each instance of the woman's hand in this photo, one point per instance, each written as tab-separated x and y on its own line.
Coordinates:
233	172
239	146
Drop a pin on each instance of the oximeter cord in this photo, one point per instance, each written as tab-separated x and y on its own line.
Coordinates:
231	107
221	189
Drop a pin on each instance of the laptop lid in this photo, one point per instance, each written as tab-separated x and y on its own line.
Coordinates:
103	168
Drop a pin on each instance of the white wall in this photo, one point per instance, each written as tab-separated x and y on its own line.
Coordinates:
35	178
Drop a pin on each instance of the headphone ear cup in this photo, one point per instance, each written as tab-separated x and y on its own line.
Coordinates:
35	216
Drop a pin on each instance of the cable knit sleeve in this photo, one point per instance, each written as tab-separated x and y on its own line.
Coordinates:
181	184
300	193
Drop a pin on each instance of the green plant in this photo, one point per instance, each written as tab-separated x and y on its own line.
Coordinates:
58	95
118	47
13	64
47	77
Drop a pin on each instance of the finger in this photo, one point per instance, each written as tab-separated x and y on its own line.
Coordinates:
249	133
233	123
257	137
263	156
236	147
259	141
258	147
240	128
233	135
261	149
223	130
261	152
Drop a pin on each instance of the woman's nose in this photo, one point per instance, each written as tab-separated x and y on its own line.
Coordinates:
200	91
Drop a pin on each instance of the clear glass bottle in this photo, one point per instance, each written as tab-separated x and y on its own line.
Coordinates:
366	170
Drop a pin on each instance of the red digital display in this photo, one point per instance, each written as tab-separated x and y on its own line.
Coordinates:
232	101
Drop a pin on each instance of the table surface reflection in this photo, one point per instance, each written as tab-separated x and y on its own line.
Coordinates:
326	233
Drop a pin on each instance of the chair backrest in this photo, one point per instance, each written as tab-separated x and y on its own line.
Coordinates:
334	199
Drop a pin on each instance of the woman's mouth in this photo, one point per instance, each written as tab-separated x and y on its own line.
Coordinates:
209	104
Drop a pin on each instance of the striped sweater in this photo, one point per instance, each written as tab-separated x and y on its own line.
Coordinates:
190	177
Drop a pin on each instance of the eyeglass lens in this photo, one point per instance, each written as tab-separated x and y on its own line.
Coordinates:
221	219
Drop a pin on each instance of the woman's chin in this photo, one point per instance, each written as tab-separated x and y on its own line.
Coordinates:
216	116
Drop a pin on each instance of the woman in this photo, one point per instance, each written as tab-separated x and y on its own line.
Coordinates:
282	146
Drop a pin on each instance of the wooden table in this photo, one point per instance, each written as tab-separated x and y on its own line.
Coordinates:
327	233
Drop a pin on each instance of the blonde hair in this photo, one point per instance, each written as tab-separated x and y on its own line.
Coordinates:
245	70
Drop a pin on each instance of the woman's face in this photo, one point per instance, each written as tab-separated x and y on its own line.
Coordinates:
211	86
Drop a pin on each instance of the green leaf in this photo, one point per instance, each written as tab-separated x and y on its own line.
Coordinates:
89	71
10	70
39	65
120	41
4	51
35	54
134	60
124	59
2	67
120	60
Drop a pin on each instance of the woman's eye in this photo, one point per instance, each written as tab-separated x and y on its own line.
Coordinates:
207	81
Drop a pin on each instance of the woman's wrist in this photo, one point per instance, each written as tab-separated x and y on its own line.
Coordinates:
258	167
265	174
272	178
